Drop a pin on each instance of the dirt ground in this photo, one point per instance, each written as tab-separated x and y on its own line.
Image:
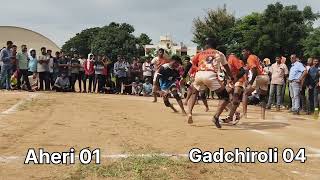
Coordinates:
134	125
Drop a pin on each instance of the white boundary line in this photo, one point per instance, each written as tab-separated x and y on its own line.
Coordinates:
13	109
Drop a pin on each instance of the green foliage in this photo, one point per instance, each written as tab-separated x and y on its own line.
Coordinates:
110	40
312	44
217	24
81	42
278	30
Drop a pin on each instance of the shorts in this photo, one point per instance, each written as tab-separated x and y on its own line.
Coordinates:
261	82
166	85
207	79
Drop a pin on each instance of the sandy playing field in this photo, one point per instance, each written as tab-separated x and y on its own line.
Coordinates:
122	125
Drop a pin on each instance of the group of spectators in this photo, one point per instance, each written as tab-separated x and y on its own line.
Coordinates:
300	77
33	71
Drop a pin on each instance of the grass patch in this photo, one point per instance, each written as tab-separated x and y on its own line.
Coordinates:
154	167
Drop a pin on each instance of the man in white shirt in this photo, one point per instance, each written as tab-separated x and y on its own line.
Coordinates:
147	69
43	70
278	74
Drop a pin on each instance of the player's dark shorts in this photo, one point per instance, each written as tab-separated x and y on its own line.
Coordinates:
166	85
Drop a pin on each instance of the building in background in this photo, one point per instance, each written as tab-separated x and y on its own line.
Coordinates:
171	47
21	36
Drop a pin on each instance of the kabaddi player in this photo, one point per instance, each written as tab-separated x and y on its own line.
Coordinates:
202	94
238	73
167	76
209	62
259	81
157	62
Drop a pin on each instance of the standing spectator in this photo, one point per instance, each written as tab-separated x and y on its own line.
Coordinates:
63	64
32	66
283	91
75	69
296	79
6	58
56	67
147	69
14	59
99	68
135	69
278	73
81	71
266	65
43	69
313	89
89	72
304	104
51	66
120	72
22	64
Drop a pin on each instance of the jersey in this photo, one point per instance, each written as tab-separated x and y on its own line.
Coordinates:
209	60
235	65
158	62
252	62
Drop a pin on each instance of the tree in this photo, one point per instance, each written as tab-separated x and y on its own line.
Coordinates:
142	40
110	40
81	43
312	44
216	24
278	30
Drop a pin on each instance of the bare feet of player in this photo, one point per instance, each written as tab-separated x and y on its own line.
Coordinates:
190	121
207	109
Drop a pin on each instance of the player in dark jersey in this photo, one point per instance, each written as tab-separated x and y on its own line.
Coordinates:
166	78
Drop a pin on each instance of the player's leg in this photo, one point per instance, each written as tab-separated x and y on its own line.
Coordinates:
262	90
189	92
224	101
247	92
234	116
167	103
176	95
155	88
191	103
203	97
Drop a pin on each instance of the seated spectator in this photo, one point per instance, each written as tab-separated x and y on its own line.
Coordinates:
110	87
62	84
136	87
147	88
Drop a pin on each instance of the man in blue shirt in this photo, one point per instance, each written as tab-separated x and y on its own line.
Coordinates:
6	58
296	79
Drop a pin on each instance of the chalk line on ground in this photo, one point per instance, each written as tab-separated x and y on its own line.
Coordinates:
15	107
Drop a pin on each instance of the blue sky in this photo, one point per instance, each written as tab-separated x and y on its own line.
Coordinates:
61	19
